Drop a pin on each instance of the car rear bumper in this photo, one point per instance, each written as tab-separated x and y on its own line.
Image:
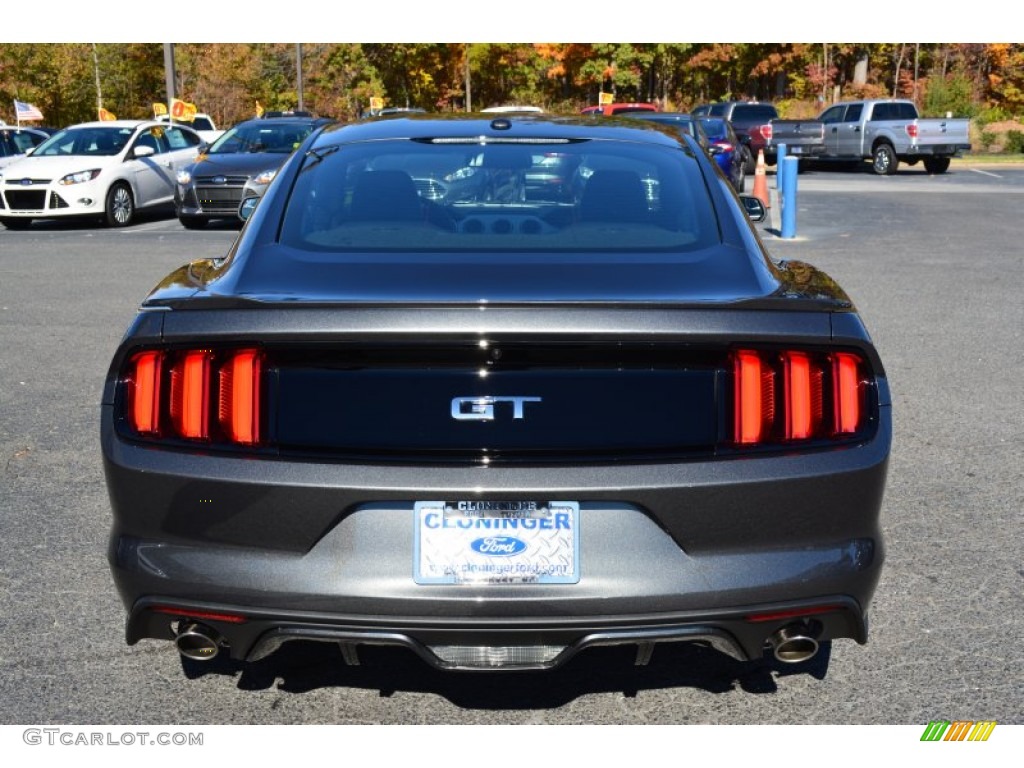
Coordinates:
523	643
319	550
941	150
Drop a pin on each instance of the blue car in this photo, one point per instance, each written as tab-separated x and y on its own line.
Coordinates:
681	121
726	149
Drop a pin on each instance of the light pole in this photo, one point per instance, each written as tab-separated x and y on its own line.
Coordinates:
169	78
96	68
469	85
298	75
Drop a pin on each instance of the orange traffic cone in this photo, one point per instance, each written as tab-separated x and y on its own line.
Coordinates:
761	181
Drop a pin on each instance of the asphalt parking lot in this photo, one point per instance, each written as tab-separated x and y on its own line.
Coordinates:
936	268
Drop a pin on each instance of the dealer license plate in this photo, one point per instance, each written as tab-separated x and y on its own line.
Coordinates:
497	542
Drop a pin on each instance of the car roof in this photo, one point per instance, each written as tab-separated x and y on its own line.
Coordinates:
507	127
267	122
24	128
666	116
133	124
514	108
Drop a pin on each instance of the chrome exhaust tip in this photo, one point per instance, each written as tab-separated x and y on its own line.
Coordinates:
197	641
793	644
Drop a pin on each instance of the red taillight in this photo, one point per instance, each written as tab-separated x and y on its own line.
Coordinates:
171	394
912	130
239	409
799	408
190	395
802	384
725	146
754	408
793	614
766	131
230	618
846	392
144	392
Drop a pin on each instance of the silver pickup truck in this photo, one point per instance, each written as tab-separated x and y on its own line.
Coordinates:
804	139
889	131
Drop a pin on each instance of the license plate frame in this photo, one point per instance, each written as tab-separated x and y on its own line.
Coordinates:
496	543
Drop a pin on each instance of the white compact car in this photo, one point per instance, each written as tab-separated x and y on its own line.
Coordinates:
104	169
15	141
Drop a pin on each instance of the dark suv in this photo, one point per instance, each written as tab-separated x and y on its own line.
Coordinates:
744	115
247	155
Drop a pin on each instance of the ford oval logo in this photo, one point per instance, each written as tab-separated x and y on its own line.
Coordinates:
219	180
499	546
26	182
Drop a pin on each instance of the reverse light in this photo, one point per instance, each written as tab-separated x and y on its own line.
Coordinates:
80	177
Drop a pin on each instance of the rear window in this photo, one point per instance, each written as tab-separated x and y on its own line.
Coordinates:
464	195
630	110
263	136
894	111
715	128
748	112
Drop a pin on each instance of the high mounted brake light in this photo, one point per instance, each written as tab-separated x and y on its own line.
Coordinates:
819	396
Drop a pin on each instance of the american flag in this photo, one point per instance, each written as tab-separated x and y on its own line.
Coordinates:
25	111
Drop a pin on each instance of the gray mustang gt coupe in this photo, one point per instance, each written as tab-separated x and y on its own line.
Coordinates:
497	390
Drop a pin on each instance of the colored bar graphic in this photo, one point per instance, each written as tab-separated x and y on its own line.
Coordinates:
982	730
935	730
958	730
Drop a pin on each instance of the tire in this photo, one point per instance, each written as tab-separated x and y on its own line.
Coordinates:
749	161
936	164
119	209
193	222
741	174
16	223
884	161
